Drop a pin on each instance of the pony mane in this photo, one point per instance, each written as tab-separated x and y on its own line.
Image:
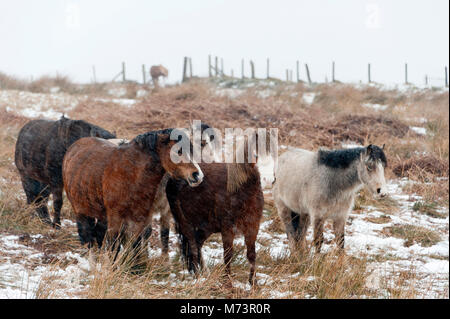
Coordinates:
147	141
345	157
239	173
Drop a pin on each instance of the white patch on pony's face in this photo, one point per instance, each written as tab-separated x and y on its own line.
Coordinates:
198	178
372	175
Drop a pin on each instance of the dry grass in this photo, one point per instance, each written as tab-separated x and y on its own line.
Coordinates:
335	117
413	235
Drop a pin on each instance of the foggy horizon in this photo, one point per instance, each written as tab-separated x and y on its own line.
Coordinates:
70	37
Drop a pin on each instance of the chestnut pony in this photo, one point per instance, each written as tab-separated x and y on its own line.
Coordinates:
112	188
229	200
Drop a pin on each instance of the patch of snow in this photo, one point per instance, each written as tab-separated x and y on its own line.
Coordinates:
308	98
377	107
418	130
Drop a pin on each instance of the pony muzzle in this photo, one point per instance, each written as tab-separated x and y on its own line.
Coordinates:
195	179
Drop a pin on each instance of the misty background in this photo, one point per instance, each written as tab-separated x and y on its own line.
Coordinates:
69	37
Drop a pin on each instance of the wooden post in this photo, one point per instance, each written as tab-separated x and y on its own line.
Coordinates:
190	67
242	68
217	66
426	80
307	73
287	75
268	68
123	72
144	79
446	77
94	75
252	69
184	69
298	71
332	73
406	73
221	66
209	66
368	72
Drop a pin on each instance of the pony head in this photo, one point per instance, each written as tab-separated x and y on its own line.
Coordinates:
371	169
176	161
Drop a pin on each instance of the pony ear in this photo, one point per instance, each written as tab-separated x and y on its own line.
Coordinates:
94	133
163	139
369	149
146	141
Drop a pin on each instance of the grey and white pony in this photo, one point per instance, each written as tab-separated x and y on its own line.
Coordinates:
311	187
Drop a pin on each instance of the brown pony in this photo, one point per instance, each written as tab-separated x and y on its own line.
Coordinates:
112	188
229	200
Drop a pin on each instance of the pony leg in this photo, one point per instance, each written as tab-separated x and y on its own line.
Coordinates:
302	228
38	194
85	225
165	230
250	240
291	221
114	234
227	239
339	231
57	205
100	231
318	234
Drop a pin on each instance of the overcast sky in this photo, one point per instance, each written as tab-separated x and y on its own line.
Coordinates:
70	36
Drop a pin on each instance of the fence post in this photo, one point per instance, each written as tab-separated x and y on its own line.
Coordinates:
209	65
332	73
287	75
368	72
307	73
406	73
221	66
268	68
94	75
144	80
446	77
298	71
184	69
190	67
426	79
123	72
252	69
217	66
242	68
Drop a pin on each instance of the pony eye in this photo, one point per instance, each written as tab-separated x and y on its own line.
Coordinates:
180	152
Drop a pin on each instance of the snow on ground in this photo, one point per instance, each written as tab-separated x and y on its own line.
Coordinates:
34	105
48	105
419	130
23	268
377	107
308	98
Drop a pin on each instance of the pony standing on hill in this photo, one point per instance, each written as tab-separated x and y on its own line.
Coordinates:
39	154
230	200
315	186
113	187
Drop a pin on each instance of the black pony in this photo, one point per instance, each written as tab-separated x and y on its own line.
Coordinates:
39	154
